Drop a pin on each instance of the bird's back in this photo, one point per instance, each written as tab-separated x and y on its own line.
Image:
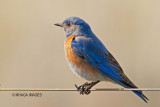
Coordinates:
79	66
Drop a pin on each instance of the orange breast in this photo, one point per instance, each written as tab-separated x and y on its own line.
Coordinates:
72	57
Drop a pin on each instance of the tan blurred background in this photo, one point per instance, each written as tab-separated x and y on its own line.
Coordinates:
32	54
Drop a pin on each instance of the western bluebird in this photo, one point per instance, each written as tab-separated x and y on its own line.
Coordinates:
89	59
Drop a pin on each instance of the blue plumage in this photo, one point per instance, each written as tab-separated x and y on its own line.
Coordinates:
93	52
89	48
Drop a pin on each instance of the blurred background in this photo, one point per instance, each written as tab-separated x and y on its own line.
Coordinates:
32	53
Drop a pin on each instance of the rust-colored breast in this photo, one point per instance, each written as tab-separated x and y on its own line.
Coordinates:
69	53
72	57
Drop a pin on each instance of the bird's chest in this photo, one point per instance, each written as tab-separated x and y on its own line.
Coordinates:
78	65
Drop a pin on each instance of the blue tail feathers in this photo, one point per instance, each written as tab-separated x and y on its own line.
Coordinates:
141	95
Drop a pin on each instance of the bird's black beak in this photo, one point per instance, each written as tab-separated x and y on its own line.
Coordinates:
58	24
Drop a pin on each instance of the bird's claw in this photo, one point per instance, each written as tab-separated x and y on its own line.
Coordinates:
84	89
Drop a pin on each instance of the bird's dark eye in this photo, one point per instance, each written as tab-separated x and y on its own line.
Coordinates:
68	23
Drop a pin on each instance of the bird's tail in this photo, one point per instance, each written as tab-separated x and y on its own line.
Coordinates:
141	95
121	79
128	84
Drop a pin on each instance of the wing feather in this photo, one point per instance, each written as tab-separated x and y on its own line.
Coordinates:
100	58
93	52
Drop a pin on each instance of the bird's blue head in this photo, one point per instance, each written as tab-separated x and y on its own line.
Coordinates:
75	26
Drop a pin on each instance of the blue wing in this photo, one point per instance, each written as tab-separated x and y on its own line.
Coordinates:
93	52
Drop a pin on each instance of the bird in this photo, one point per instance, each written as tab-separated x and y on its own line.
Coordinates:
87	57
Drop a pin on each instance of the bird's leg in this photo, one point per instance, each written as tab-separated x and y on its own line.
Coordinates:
85	88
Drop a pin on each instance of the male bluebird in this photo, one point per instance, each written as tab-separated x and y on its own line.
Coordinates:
89	59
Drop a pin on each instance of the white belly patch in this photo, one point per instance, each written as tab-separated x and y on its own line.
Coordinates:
82	72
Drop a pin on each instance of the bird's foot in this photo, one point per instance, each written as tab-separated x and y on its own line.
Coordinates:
85	88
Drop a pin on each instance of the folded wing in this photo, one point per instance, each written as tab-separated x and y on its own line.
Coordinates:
93	52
